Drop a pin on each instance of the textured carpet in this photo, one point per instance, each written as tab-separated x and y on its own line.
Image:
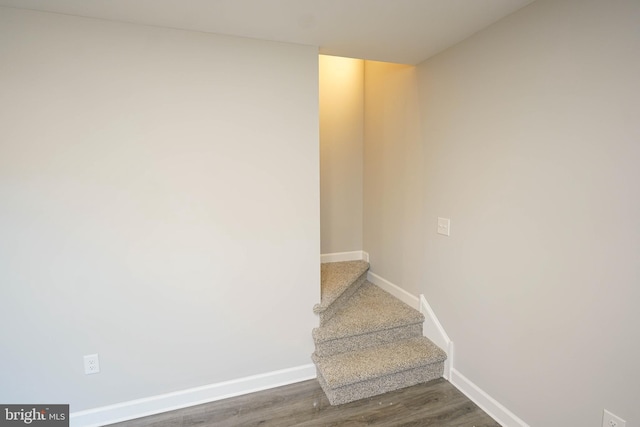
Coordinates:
339	281
368	342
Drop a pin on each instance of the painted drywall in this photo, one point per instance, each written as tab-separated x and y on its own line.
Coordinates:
159	206
530	144
394	233
341	145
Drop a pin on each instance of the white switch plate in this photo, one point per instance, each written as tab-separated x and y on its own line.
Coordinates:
91	364
444	226
610	420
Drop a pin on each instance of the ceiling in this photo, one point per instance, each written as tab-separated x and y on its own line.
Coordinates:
402	31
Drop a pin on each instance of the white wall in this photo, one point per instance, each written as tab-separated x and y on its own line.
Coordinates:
341	151
394	232
530	140
159	205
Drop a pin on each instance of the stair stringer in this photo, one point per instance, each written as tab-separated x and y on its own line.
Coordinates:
432	327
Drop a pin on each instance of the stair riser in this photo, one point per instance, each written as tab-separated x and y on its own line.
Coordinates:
335	307
376	386
341	345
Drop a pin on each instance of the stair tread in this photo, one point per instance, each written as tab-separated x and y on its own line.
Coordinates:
356	366
370	309
336	277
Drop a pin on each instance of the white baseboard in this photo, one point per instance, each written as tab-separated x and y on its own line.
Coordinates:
432	327
497	411
195	396
395	290
448	364
345	256
433	330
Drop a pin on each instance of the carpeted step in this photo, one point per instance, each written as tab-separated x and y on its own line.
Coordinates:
369	318
339	280
368	342
359	374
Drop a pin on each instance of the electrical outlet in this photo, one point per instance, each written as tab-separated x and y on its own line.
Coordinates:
91	364
610	420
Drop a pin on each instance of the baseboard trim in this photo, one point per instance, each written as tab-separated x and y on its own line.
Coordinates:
394	290
448	364
435	332
488	404
344	256
432	327
126	411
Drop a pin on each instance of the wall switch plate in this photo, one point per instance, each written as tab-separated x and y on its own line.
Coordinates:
610	420
91	364
444	226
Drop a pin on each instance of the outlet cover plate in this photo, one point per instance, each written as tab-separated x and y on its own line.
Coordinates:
91	364
611	420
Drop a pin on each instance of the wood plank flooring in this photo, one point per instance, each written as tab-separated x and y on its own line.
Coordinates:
304	404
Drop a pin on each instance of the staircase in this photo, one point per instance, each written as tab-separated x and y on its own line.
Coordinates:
368	342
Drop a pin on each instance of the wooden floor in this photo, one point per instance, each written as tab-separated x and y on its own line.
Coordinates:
436	403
